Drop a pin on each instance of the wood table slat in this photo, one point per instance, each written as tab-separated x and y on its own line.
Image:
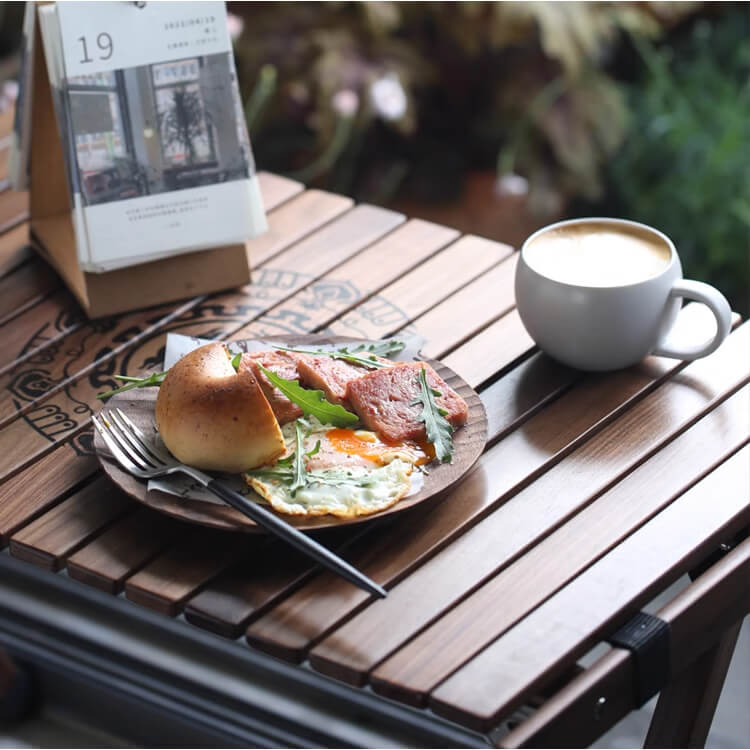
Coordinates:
246	589
14	209
358	646
289	629
49	539
503	342
605	595
414	293
276	189
24	287
337	241
492	293
294	220
14	248
197	556
33	334
122	549
415	670
336	292
41	486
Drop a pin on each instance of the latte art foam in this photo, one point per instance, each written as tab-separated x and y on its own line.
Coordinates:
598	254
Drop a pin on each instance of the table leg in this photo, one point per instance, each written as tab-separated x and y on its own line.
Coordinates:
686	706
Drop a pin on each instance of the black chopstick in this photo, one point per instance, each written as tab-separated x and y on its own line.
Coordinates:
296	538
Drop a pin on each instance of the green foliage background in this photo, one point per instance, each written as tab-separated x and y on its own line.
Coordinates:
685	164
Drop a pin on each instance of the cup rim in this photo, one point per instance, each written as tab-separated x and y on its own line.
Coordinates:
601	220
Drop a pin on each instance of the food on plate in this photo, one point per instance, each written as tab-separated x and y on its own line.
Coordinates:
341	431
213	417
386	401
332	376
342	472
284	365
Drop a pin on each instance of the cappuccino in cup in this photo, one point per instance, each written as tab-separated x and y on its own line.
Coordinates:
601	294
598	254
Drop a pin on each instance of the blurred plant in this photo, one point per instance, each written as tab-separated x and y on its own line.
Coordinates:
441	88
184	122
685	168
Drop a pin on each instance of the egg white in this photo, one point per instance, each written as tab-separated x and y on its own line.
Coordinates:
361	491
352	486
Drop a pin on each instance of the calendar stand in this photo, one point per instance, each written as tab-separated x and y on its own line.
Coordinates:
124	289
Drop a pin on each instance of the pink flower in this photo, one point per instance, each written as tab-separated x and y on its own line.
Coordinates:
235	26
345	102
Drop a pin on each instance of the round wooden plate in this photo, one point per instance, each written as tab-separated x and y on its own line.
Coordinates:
139	405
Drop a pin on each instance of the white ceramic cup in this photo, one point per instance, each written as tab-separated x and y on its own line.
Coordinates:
613	326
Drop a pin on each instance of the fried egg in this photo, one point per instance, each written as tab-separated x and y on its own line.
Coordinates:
350	472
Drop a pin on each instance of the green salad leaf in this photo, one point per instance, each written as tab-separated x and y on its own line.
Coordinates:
439	429
236	361
313	403
365	355
154	380
320	476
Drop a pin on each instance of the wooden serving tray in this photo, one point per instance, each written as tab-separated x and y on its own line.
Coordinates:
469	442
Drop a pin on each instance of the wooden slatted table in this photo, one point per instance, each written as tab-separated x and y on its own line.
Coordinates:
595	493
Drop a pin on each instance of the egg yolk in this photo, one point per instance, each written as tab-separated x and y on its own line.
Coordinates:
368	445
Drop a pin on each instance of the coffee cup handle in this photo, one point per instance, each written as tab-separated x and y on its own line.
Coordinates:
716	302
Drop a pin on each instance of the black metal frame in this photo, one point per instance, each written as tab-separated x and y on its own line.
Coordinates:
161	681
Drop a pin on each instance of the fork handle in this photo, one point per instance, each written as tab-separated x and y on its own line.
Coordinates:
296	538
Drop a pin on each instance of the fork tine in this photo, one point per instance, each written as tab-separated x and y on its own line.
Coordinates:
127	441
114	447
148	444
137	443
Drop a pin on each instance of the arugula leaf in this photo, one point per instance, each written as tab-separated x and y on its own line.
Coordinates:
311	402
322	476
314	450
364	354
236	361
439	429
152	380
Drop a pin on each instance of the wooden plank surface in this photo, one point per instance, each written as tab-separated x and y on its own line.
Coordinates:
122	549
570	622
30	493
14	209
164	583
276	189
414	671
70	524
413	293
289	629
356	647
25	286
354	281
14	248
33	334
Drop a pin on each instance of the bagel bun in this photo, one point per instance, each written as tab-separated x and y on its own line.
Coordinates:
214	418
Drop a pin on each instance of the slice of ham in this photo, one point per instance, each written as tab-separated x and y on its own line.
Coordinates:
285	366
383	401
332	376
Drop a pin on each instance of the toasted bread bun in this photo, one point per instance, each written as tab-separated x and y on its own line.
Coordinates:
212	417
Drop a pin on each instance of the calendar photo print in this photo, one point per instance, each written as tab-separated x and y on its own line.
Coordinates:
158	128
